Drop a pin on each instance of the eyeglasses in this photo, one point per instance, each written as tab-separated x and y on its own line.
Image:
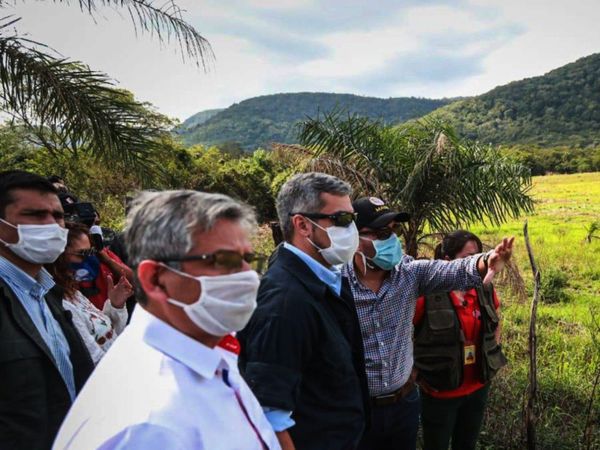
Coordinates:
382	234
84	252
339	219
224	259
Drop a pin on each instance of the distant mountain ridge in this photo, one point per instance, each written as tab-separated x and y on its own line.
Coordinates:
198	118
257	121
561	107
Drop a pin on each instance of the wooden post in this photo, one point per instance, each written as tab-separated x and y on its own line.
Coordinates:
530	417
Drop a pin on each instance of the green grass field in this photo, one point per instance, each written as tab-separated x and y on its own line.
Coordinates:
568	329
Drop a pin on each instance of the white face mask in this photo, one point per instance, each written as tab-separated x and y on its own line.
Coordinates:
344	243
226	302
38	244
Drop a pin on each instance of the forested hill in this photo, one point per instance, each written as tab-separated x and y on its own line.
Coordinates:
260	120
561	107
198	118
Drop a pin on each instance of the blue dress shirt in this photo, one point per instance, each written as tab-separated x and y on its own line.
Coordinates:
331	276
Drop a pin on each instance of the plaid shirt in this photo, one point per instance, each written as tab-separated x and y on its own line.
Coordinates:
386	316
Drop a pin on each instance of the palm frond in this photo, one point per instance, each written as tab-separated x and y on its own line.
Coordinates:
304	159
353	140
67	105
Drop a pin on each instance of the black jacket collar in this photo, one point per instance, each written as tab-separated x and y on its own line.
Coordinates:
292	264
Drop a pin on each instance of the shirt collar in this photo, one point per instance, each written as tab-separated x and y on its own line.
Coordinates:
163	337
38	288
332	277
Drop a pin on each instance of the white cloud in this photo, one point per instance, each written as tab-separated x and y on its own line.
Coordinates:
436	48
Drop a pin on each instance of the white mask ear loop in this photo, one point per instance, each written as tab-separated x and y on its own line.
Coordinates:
365	257
309	239
6	244
364	261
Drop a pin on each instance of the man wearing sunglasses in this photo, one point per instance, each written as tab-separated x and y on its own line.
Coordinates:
165	383
302	349
385	285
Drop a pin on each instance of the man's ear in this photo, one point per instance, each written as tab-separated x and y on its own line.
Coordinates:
301	225
148	274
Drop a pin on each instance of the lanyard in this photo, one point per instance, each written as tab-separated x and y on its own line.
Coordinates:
243	408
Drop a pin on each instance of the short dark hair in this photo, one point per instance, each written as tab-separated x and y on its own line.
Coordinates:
454	242
19	179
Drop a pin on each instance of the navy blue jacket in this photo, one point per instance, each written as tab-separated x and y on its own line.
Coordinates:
302	351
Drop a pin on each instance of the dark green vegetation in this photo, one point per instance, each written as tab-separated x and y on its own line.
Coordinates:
249	178
561	107
563	159
273	118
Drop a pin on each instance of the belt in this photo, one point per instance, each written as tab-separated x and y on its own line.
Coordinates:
393	397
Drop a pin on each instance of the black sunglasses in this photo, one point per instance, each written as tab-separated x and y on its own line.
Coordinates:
382	234
224	259
339	219
84	252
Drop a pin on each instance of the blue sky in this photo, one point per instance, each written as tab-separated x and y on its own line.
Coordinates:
385	48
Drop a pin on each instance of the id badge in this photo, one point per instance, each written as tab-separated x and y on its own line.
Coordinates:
469	355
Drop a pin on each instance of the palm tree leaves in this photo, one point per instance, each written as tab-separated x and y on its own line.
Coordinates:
68	106
425	169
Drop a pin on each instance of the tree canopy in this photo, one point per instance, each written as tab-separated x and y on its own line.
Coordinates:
423	168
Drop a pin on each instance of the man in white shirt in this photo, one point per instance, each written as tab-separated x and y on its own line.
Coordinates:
165	384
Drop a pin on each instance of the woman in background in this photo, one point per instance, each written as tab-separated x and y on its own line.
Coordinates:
98	329
456	352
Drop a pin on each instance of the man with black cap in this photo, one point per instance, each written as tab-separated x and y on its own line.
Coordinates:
385	285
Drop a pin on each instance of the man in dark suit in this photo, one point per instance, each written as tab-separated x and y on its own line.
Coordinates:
302	350
43	361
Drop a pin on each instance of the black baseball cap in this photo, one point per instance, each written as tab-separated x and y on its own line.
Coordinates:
374	213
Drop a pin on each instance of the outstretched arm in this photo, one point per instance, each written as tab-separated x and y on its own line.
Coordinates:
494	261
460	274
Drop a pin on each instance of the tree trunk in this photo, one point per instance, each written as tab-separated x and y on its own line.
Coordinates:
530	418
411	238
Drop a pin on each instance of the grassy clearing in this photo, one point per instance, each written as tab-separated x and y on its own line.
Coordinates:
568	330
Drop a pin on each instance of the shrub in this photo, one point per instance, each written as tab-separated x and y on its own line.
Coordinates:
554	284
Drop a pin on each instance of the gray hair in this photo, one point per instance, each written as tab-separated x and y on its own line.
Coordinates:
160	225
302	193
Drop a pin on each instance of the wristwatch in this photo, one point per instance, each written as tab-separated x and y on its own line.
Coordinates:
486	257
